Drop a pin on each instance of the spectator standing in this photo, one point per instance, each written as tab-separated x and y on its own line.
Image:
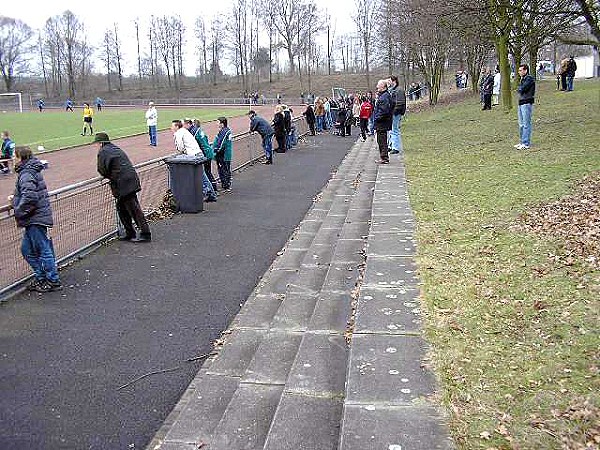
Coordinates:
320	114
99	103
399	99
33	212
526	92
114	164
371	99
487	88
309	114
41	104
7	152
328	118
366	110
564	68
185	143
88	117
279	129
356	110
262	127
383	112
207	149
287	121
571	69
152	122
69	105
223	147
496	89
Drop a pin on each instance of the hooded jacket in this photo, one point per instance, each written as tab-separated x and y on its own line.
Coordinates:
31	202
261	126
114	164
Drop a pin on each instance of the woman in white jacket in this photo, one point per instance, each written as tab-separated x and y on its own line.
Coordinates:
496	89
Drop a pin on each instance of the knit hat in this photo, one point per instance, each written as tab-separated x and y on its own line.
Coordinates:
101	137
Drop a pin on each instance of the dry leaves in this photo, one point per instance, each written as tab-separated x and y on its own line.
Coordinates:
574	219
167	208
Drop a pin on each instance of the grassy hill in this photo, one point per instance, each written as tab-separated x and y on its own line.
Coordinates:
509	255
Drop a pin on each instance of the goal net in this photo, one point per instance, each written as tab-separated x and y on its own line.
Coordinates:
11	102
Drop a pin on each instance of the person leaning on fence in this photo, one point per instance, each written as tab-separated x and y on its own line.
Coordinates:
7	152
223	147
114	164
185	143
262	127
209	154
33	212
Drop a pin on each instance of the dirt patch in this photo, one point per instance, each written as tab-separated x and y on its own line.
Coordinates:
574	219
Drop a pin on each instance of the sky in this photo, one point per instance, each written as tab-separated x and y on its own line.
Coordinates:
98	15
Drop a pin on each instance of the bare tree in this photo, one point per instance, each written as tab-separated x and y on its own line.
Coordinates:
107	55
15	47
139	56
364	18
118	55
202	39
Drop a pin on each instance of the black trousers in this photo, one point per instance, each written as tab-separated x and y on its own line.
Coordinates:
280	138
129	209
382	143
208	172
224	168
364	128
311	127
487	101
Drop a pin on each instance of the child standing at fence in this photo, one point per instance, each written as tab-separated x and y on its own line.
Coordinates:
33	212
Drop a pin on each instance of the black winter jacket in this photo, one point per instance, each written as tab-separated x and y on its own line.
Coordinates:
309	114
114	164
279	124
384	108
526	90
31	203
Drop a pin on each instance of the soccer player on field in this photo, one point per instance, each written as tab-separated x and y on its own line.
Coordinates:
88	114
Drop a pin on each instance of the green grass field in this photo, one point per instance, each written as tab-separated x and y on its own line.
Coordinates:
54	129
514	331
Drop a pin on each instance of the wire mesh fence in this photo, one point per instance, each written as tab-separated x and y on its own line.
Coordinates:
84	213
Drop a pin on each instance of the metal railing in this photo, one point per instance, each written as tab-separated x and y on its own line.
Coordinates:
84	213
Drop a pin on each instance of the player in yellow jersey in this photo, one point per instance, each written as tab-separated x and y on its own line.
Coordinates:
88	114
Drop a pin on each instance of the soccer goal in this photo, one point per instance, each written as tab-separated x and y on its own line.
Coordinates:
11	102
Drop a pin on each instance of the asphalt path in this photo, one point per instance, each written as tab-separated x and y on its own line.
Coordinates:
129	309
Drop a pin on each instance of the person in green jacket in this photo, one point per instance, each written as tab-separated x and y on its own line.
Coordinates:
202	140
223	147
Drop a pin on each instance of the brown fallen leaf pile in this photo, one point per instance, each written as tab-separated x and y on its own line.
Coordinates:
584	430
574	219
166	209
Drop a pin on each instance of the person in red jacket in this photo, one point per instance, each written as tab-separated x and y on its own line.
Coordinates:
366	109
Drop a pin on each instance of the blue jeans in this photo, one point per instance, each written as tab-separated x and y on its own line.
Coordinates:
569	83
320	123
328	119
524	116
394	136
207	187
38	251
267	144
152	133
371	125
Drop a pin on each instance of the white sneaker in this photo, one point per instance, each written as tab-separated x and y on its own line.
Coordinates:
518	146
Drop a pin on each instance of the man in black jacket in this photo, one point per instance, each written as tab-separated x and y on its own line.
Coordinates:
114	164
526	92
33	212
487	87
399	99
384	108
571	69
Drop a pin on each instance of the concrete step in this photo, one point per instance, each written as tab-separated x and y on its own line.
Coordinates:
389	388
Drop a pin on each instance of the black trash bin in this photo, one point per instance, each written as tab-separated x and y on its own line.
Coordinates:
185	179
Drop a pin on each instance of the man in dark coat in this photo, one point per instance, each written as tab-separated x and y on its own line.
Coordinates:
487	87
309	114
262	127
33	212
114	164
382	115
